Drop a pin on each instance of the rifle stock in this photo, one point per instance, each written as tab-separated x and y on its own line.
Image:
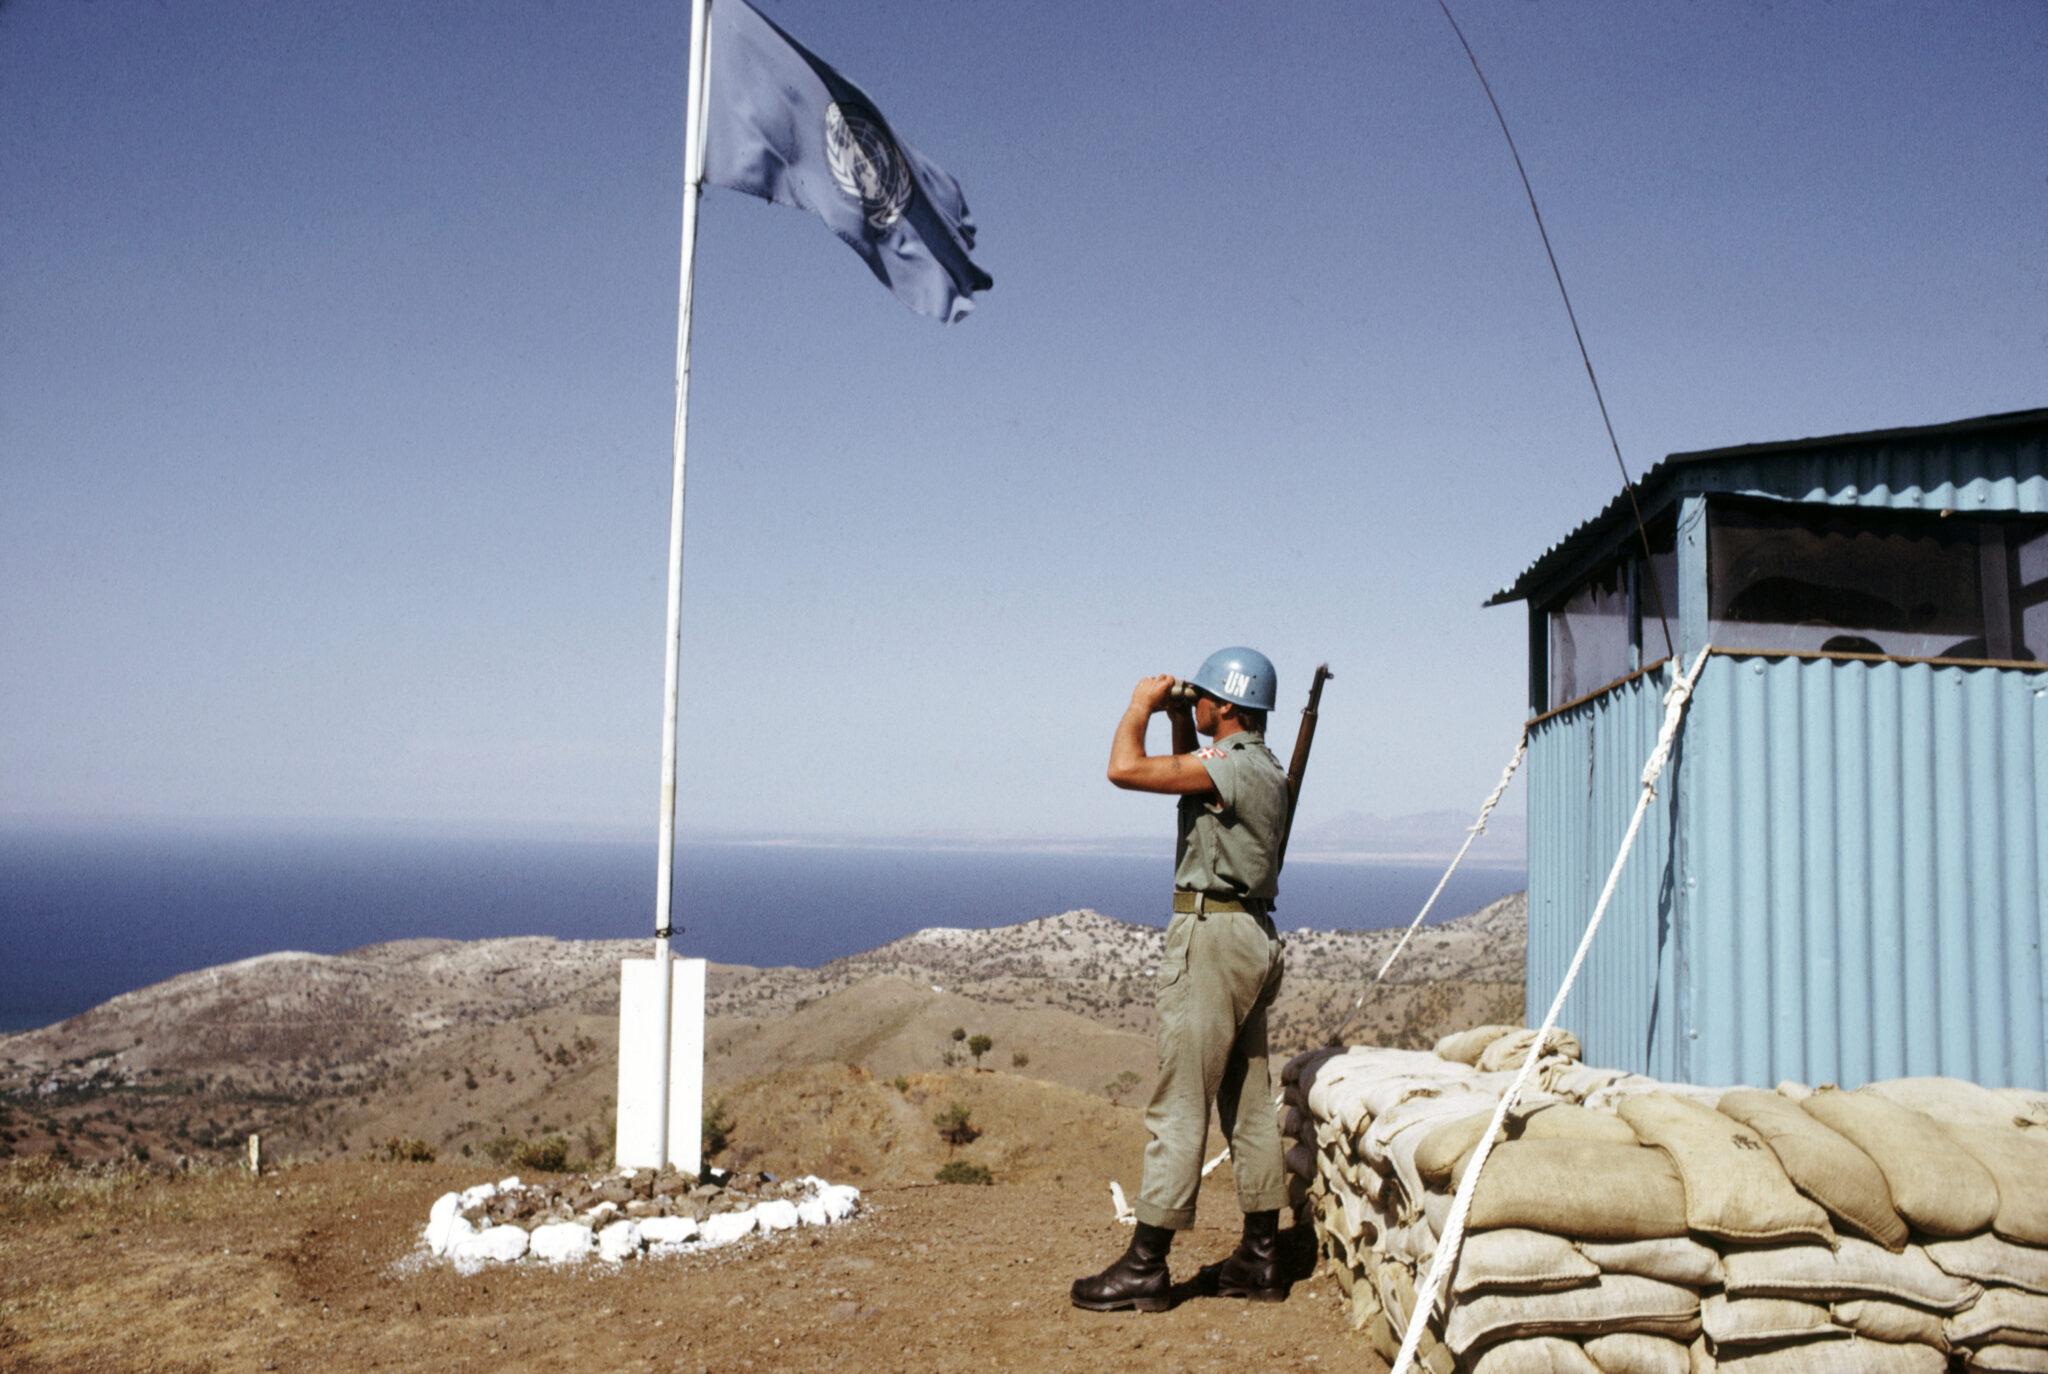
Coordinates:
1304	740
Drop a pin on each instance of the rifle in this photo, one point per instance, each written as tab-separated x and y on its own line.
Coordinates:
1304	739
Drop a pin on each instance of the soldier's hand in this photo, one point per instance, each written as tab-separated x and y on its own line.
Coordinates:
1150	693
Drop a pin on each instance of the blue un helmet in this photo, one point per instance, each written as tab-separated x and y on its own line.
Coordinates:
1243	676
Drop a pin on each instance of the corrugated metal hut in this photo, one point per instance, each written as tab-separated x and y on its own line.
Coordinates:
1842	877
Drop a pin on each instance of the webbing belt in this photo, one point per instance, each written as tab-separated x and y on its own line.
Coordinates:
1184	901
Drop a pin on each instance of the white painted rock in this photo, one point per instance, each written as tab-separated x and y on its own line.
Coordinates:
618	1241
562	1240
668	1230
502	1244
602	1211
446	1208
726	1227
509	1185
779	1215
840	1200
483	1192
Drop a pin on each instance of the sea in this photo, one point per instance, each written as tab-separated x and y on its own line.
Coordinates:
86	915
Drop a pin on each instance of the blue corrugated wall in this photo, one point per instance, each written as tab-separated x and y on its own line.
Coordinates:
1584	765
1855	890
1861	850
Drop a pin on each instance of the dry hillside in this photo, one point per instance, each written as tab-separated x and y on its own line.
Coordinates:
461	1044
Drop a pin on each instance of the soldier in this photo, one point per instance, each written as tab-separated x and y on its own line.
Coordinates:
1217	978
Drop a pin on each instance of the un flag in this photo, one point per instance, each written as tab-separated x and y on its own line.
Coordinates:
786	127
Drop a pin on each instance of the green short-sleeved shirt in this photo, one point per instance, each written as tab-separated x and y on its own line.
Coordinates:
1229	844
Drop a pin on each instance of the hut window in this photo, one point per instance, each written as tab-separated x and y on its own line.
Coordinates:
1903	584
1590	643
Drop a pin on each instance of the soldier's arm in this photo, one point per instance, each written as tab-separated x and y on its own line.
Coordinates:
1132	768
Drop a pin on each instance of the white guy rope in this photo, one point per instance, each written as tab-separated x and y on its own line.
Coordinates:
1472	832
1446	1257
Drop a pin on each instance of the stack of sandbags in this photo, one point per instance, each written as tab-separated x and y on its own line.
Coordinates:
1622	1224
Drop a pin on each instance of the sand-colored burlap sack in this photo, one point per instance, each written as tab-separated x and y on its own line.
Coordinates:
1821	1164
1516	1260
1465	1047
1447	1146
1735	1189
1395	1284
1536	1355
1618	1302
1732	1323
1858	1269
1949	1101
1567	1121
2007	1359
2017	1161
1506	1054
1935	1186
1391	1142
2003	1316
1674	1259
1585	1189
1631	1352
1827	1357
1890	1321
1989	1260
1552	1121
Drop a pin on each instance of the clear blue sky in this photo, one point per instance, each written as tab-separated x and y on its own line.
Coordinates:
336	355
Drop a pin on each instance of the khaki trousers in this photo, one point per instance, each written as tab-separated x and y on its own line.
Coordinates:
1217	978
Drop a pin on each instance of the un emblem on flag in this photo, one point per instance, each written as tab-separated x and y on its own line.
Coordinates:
867	164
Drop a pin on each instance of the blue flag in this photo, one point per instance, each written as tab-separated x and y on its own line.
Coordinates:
786	127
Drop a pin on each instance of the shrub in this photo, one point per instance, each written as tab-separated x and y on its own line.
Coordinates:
954	1126
405	1149
978	1046
717	1128
1018	1059
549	1154
901	1083
963	1171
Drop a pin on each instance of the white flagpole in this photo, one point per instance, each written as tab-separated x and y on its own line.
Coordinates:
664	883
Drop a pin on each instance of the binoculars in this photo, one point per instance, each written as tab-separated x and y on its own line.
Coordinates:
1183	694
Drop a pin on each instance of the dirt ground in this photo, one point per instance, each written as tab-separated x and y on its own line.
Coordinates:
318	1268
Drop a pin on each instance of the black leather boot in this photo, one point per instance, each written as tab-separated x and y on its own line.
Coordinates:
1138	1280
1253	1269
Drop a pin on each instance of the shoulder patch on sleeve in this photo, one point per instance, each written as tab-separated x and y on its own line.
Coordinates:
1209	752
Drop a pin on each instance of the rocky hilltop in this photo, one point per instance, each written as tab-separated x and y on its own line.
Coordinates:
461	1044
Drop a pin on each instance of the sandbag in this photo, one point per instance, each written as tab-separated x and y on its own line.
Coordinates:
1833	1357
1585	1189
1890	1321
1447	1147
1565	1121
1465	1047
2008	1359
1632	1352
1674	1259
2017	1161
1536	1355
1989	1260
1515	1260
1732	1323
1947	1101
1734	1187
1821	1164
1936	1187
1618	1302
2003	1316
1507	1053
1551	1121
1858	1269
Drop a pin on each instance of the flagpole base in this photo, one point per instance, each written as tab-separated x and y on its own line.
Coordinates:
638	1144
